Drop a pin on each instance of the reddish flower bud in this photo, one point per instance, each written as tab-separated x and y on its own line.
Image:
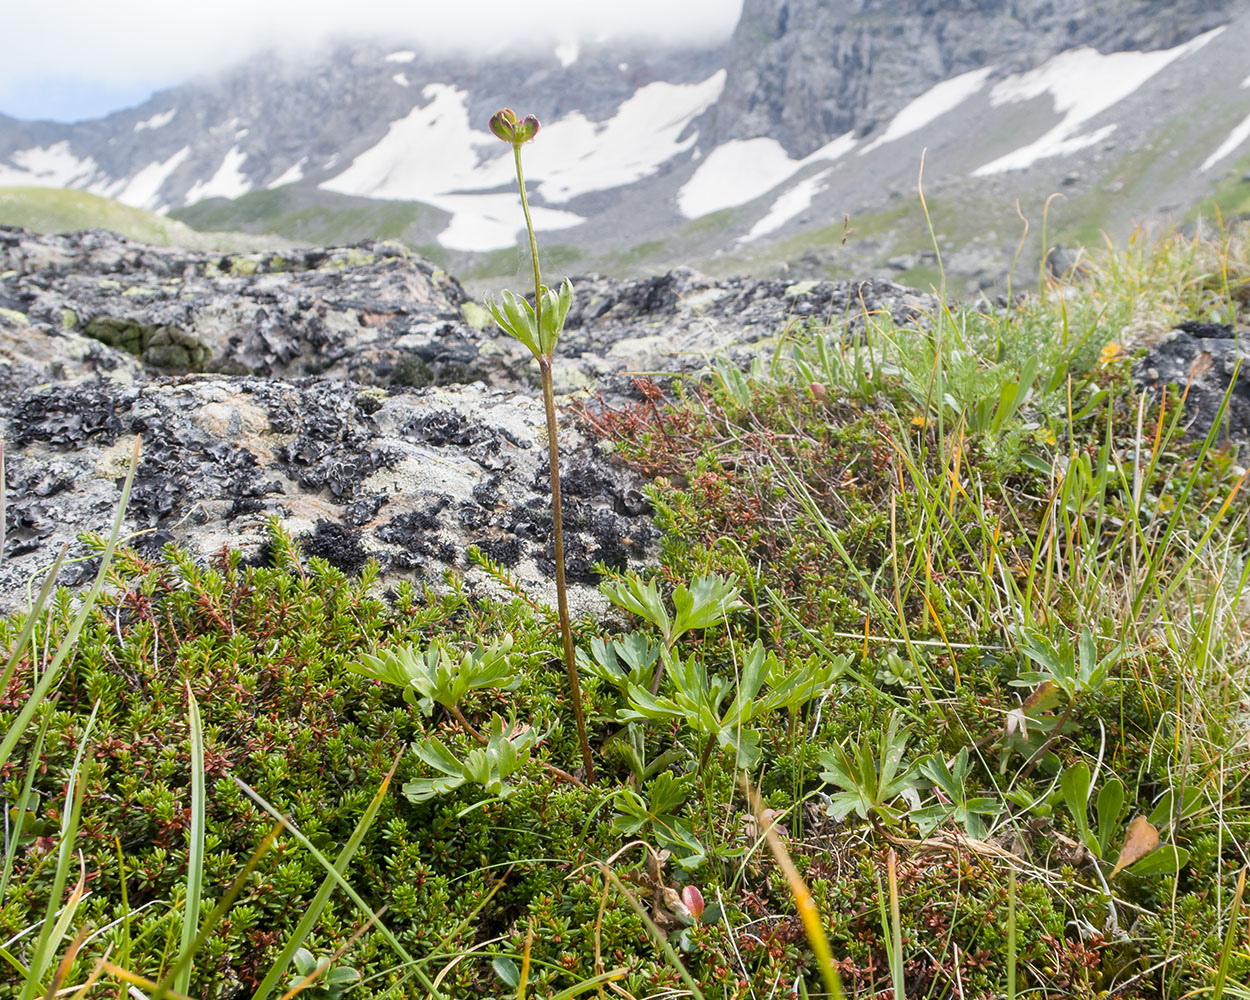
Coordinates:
527	129
693	899
503	124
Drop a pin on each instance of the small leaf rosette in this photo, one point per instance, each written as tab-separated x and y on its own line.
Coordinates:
506	127
516	317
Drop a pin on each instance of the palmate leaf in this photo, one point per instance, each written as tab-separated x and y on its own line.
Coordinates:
488	767
951	780
706	602
657	812
641	598
440	675
516	317
871	777
630	659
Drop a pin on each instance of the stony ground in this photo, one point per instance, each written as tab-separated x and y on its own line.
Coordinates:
357	395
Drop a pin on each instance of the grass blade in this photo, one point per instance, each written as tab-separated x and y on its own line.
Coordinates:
195	850
803	901
352	894
53	930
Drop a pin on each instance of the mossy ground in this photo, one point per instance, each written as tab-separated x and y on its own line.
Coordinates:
930	503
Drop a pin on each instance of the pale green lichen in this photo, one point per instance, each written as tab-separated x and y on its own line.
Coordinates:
354	257
476	316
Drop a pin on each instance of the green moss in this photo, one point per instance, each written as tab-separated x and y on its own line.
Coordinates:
69	319
13	315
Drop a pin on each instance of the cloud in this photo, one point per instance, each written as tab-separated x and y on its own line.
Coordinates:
137	43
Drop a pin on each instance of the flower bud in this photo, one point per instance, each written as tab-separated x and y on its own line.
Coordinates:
506	127
693	899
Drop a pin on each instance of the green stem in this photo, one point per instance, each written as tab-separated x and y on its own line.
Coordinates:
529	229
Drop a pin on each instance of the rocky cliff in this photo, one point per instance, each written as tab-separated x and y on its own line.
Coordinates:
806	71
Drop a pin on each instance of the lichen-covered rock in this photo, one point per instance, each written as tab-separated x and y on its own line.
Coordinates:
380	315
678	322
285	386
1201	358
376	313
409	477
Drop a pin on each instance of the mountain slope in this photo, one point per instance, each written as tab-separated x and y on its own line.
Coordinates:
749	157
57	210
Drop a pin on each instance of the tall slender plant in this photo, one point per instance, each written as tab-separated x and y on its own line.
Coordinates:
538	327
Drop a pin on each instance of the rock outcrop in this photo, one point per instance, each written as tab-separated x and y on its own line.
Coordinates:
1201	359
343	392
379	314
295	400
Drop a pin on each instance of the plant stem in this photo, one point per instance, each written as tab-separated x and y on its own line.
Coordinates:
529	229
553	453
562	597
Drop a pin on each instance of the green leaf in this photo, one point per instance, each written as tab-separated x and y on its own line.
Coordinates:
1165	860
507	971
1109	806
639	598
707	602
1074	784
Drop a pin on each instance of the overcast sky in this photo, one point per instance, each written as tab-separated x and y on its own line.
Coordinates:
74	59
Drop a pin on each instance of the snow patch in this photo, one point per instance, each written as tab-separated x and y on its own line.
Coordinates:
402	56
788	205
741	170
567	53
481	222
48	166
581	156
157	121
143	189
293	173
1246	82
227	182
401	79
622	67
931	105
1235	138
1082	83
577	156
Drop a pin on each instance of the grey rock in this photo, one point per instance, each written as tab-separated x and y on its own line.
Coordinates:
677	323
378	314
1203	357
374	313
409	477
